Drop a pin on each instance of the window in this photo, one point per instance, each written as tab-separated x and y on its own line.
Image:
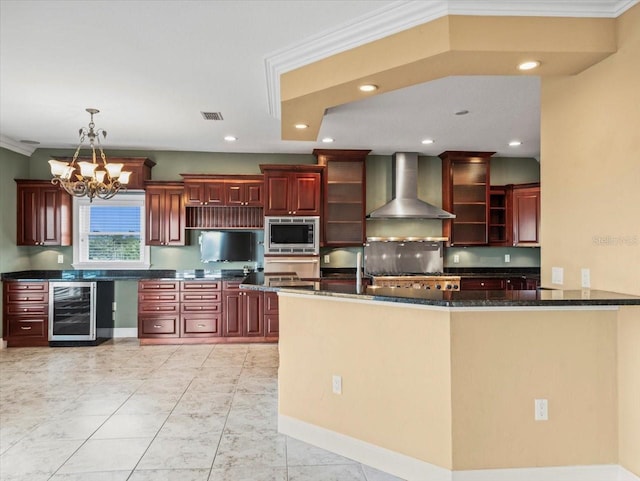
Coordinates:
110	234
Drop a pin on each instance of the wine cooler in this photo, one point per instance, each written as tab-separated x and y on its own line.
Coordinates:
80	313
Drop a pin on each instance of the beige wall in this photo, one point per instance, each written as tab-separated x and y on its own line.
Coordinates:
629	388
457	388
503	361
590	172
395	372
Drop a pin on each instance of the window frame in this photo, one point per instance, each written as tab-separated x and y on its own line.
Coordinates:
136	199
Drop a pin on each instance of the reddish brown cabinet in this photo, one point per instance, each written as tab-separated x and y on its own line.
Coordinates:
44	214
200	309
271	314
165	213
465	193
292	189
203	192
343	221
244	193
243	311
482	283
158	309
526	215
25	313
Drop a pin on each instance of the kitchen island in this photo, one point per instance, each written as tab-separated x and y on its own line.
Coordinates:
441	385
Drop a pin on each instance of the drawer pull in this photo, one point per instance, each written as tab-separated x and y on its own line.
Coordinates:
157	326
25	328
199	325
25	309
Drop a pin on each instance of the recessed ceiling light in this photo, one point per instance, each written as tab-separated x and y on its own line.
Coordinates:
327	140
427	141
462	112
301	126
368	88
531	64
515	143
230	138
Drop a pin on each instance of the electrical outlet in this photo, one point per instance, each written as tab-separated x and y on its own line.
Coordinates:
557	275
337	384
60	259
456	258
113	306
327	258
507	258
541	410
586	278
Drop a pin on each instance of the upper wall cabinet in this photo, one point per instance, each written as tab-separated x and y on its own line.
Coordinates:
140	168
165	213
344	196
526	215
44	214
465	193
202	190
292	189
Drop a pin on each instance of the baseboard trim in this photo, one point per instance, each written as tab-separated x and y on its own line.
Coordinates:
413	469
119	332
377	457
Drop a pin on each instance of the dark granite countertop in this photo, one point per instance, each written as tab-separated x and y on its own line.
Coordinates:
121	275
470	298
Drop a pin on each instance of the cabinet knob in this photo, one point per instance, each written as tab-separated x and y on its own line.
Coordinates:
25	310
157	308
206	203
482	284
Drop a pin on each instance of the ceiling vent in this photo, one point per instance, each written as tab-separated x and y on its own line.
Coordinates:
212	115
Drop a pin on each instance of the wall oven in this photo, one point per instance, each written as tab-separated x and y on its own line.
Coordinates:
292	235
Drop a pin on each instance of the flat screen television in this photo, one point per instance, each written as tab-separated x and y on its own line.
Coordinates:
227	246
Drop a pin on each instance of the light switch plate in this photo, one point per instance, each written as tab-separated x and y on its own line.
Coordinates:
585	275
456	258
60	259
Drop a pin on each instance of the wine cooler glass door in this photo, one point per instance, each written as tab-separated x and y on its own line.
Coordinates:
72	311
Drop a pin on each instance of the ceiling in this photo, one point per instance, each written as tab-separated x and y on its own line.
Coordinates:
152	67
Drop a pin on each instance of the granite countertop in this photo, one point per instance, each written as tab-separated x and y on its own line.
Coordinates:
122	275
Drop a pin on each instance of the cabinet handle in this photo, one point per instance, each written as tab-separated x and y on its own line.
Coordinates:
201	325
157	326
25	328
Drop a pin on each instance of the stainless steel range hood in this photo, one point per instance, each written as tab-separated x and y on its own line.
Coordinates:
404	203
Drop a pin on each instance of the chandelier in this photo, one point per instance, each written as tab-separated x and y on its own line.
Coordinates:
94	179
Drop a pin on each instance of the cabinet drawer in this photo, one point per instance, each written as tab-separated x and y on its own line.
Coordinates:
158	285
151	307
158	296
201	296
482	284
27	286
27	296
167	326
26	327
26	308
209	307
208	286
231	285
199	324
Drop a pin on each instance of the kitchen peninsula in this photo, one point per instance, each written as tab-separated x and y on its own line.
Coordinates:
432	385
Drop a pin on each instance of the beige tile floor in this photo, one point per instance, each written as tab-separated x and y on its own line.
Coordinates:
120	412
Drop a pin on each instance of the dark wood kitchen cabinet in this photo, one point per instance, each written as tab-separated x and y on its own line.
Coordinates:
203	192
43	215
526	215
200	309
25	313
243	311
210	190
465	193
292	189
343	220
483	283
158	309
271	314
500	216
244	192
165	214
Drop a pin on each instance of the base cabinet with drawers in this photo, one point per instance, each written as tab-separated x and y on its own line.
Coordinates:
26	314
204	311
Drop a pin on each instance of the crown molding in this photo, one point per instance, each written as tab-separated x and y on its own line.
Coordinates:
14	146
404	14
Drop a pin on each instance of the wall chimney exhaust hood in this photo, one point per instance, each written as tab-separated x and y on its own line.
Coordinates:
404	203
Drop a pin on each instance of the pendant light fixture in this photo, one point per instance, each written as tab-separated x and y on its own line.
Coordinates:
89	179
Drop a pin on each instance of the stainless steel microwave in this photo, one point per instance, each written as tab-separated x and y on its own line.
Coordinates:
292	235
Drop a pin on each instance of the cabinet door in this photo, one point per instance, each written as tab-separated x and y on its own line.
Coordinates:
254	194
43	214
232	313
50	212
193	194
305	194
28	216
277	201
154	205
234	193
253	306
213	193
174	217
526	216
271	318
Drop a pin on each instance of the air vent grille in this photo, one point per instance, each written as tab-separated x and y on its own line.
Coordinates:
212	115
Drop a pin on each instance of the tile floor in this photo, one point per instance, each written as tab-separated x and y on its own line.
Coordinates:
120	412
